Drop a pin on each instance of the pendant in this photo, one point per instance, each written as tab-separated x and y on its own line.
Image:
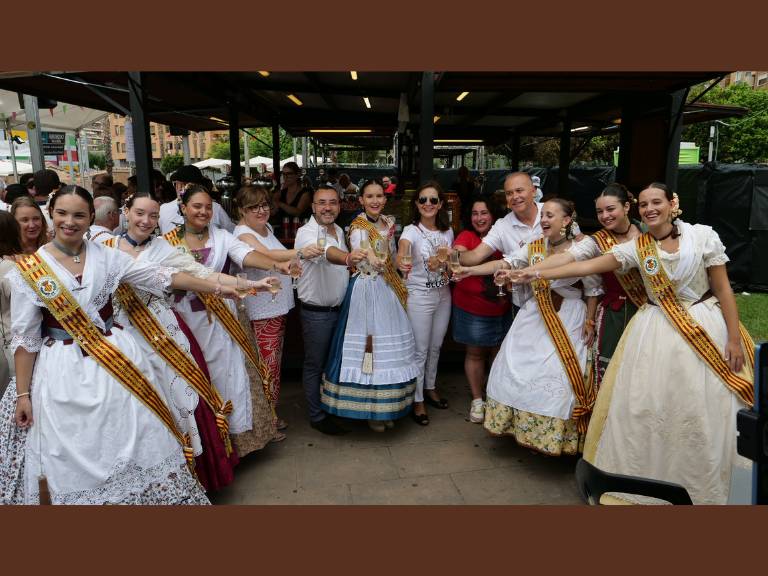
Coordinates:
137	248
76	259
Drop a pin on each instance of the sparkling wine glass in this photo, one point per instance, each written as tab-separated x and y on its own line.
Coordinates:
242	289
442	255
406	259
295	269
322	237
455	264
274	287
499	280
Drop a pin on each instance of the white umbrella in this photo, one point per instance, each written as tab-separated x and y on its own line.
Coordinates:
212	163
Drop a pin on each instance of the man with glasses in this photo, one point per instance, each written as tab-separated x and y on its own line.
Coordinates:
321	290
520	226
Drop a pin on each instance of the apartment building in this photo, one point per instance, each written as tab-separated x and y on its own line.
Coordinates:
755	79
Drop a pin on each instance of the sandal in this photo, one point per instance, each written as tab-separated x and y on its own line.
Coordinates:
421	419
441	404
281	424
278	437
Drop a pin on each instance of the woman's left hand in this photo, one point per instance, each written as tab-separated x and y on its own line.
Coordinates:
284	267
255	286
734	355
588	333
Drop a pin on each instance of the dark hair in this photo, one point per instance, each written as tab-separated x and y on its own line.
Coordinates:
189	191
103	178
27	201
569	209
670	195
491	206
26	180
76	191
251	195
14	191
10	234
325	186
136	195
293	167
370	182
620	192
168	192
442	216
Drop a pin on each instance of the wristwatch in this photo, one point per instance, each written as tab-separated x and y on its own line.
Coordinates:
300	254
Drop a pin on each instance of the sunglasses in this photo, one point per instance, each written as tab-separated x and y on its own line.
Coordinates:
432	200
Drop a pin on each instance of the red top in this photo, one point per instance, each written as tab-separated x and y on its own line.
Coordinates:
390	189
468	294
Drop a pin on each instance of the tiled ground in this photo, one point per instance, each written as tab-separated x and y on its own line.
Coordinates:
451	461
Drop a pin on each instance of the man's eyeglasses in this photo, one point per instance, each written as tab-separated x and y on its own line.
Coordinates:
432	200
287	173
264	207
323	203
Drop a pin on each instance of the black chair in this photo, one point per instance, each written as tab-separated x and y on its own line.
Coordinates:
593	483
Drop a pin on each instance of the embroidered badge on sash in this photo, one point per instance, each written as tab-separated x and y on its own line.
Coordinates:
48	287
650	265
537	258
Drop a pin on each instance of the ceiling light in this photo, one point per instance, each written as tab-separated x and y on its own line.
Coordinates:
353	74
215	119
264	73
341	131
367	102
458	141
461	96
295	100
580	129
435	119
616	121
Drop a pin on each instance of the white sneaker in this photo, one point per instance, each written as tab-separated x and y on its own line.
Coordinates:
477	411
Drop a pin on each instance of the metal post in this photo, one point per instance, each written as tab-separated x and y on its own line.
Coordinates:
68	156
142	147
33	134
565	159
304	155
246	155
711	141
427	127
677	104
11	143
81	141
185	150
234	145
276	152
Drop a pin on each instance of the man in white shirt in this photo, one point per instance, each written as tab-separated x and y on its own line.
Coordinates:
321	290
170	216
517	228
105	221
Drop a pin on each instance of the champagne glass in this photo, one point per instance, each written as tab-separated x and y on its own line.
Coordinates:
242	289
295	269
499	280
516	265
274	288
407	259
455	264
442	255
322	237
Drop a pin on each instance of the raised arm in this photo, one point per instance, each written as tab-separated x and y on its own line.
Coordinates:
476	256
721	287
279	255
599	265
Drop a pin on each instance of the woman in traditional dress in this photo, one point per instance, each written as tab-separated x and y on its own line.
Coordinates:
429	298
371	370
99	433
536	385
623	294
182	373
668	403
267	316
214	323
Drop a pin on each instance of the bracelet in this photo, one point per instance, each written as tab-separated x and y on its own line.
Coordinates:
346	259
217	292
21	395
299	254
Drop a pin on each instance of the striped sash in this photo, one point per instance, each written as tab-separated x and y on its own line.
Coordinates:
390	274
631	282
584	392
657	280
63	306
216	306
168	349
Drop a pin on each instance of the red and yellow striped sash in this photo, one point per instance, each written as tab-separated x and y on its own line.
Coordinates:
583	391
217	307
631	282
390	274
63	306
657	280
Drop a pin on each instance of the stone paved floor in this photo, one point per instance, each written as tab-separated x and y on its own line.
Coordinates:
451	461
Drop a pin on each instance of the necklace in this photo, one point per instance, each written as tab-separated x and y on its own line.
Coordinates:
75	255
555	244
198	235
372	220
625	231
136	245
667	235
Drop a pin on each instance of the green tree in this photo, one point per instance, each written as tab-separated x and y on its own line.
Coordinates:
171	162
97	160
260	145
745	139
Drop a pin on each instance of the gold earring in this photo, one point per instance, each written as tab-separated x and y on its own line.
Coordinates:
563	230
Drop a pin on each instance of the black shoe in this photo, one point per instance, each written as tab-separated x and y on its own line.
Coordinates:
421	419
441	404
328	426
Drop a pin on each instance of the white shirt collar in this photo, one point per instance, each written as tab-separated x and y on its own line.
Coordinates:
513	219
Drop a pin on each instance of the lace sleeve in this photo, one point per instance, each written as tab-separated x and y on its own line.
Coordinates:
626	255
26	317
149	276
185	262
593	285
713	248
586	249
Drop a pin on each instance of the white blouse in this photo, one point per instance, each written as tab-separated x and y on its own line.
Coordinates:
424	244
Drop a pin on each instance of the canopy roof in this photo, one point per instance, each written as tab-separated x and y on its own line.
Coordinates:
65	117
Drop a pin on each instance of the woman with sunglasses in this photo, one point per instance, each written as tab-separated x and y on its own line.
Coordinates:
429	298
294	198
265	315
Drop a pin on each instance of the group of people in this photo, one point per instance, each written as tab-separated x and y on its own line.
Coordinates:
625	345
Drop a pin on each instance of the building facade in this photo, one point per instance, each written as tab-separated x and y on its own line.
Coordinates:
755	79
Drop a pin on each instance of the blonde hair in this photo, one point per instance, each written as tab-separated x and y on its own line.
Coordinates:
251	195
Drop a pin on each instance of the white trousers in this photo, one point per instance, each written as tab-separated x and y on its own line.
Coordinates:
429	312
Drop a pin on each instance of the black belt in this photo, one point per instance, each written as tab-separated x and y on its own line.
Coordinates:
313	308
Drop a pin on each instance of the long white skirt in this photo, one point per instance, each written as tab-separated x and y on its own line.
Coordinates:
94	441
662	413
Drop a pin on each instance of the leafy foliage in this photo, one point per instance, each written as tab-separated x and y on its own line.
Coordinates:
259	146
171	163
97	160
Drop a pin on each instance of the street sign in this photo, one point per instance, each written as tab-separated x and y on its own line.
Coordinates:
53	143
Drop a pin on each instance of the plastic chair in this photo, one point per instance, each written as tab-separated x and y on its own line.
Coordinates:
593	483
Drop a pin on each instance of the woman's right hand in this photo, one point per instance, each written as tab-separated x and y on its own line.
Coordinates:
404	268
461	273
312	251
23	416
524	276
433	263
